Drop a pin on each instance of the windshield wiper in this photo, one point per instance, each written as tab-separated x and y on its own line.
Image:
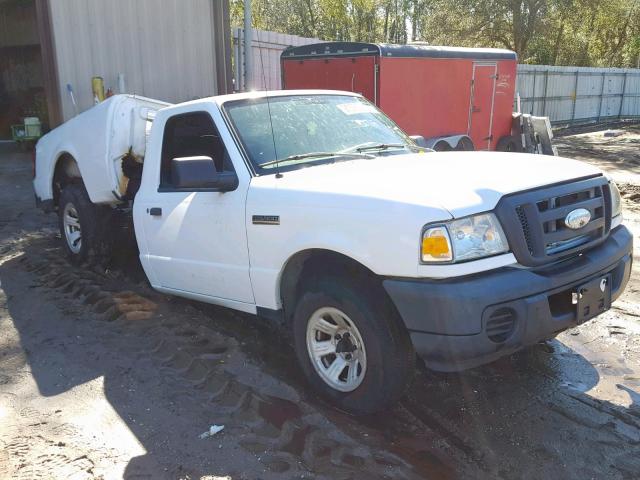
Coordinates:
364	147
304	156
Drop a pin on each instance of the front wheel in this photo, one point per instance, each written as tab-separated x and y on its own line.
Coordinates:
351	345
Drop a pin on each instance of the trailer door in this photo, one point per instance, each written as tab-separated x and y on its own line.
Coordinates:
353	74
483	88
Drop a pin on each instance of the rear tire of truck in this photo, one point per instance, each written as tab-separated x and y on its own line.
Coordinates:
351	344
84	226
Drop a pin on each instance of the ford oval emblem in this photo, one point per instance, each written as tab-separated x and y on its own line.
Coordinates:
577	218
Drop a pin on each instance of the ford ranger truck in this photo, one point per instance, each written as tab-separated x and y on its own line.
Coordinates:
313	209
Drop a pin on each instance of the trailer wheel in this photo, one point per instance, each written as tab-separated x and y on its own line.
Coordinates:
442	146
507	144
465	144
84	226
351	345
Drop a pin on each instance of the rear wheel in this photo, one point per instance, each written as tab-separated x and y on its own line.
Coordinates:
351	345
83	226
71	228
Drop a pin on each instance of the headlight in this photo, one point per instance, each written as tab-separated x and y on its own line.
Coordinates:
465	239
616	200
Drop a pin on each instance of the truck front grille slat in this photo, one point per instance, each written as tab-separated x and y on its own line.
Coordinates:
563	245
561	212
525	227
535	220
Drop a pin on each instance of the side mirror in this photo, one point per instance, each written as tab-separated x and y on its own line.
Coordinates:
199	173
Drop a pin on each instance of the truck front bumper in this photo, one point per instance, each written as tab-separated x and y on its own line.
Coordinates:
452	322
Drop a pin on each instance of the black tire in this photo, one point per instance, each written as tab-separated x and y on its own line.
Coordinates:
390	358
507	144
442	147
94	246
465	145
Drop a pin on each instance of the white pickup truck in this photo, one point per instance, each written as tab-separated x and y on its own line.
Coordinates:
313	209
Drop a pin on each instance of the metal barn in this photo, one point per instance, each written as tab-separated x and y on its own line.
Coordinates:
174	50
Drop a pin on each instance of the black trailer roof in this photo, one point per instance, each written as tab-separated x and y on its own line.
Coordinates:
352	49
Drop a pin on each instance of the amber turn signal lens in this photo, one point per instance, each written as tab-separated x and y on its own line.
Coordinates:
436	246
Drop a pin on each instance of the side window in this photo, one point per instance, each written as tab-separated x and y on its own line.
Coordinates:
190	135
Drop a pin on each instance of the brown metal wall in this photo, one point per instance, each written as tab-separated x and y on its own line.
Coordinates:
48	62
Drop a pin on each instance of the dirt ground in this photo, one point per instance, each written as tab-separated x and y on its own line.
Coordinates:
103	378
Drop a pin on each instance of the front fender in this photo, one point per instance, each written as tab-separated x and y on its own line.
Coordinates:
266	272
386	243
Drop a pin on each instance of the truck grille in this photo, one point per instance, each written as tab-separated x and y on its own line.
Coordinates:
534	221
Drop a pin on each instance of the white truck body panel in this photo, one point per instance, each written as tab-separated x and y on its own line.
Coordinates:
97	139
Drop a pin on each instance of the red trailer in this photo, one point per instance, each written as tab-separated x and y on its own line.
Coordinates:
453	97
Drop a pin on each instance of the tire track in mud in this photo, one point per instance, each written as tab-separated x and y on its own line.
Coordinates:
596	415
58	462
582	409
288	435
39	457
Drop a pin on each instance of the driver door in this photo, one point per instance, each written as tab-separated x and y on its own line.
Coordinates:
195	242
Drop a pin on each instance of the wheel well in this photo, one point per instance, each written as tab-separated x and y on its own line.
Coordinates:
66	171
315	262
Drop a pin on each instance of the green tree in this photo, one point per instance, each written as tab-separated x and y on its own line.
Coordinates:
568	32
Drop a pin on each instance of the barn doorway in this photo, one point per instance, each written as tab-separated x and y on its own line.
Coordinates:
26	82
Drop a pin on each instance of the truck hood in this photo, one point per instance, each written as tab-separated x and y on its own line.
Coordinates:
462	183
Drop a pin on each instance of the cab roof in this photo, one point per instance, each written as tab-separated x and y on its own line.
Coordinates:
255	94
220	99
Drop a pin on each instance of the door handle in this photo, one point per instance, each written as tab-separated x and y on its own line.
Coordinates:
154	211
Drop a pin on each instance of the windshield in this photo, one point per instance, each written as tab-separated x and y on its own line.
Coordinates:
312	129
